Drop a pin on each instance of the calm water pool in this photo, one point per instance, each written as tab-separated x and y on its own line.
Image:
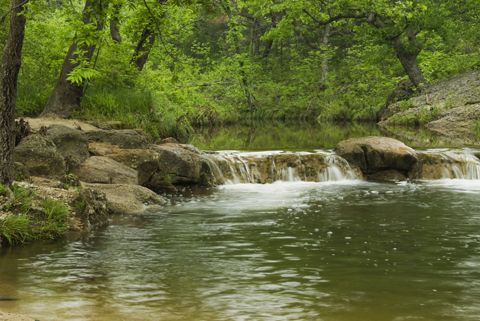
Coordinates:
345	251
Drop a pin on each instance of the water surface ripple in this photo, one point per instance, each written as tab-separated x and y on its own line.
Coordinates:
345	251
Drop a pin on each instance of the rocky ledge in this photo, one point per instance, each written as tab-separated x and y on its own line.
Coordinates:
112	171
450	108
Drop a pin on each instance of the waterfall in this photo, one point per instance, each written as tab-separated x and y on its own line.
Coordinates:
448	164
268	167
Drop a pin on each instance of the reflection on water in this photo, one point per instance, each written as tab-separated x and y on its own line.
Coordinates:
279	136
310	136
348	251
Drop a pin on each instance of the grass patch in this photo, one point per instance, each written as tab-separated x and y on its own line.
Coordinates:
49	221
136	109
16	229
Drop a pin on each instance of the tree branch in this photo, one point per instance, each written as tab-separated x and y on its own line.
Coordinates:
2	18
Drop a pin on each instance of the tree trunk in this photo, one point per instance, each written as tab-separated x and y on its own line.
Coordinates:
11	62
324	66
269	43
66	96
114	25
144	46
407	54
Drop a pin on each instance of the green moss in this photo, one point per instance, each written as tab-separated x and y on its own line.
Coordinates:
405	104
404	119
450	101
422	117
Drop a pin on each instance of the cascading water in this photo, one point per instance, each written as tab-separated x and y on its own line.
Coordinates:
449	164
234	167
268	167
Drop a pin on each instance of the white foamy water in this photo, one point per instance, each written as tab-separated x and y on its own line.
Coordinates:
456	164
272	166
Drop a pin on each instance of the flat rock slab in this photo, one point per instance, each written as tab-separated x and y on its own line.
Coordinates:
104	170
458	122
128	199
128	157
373	154
124	138
37	123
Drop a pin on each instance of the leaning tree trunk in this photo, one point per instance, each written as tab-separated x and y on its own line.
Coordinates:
66	96
408	54
12	59
144	46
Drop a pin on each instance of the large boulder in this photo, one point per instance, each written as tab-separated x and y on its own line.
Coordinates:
125	138
175	165
71	143
376	154
40	157
104	170
129	157
128	199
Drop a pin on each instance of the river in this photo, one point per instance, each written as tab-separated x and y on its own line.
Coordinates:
343	250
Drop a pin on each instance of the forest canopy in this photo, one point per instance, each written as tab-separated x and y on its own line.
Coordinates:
168	65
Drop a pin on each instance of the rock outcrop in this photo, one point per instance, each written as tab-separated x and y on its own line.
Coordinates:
128	157
177	164
40	157
450	108
374	155
104	170
71	143
457	123
128	199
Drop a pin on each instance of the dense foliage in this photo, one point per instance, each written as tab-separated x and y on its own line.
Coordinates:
223	61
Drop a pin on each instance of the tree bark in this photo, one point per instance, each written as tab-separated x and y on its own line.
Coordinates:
66	96
269	43
115	25
11	62
144	46
324	66
407	54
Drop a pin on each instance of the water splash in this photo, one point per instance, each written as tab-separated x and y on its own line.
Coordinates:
449	164
269	167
